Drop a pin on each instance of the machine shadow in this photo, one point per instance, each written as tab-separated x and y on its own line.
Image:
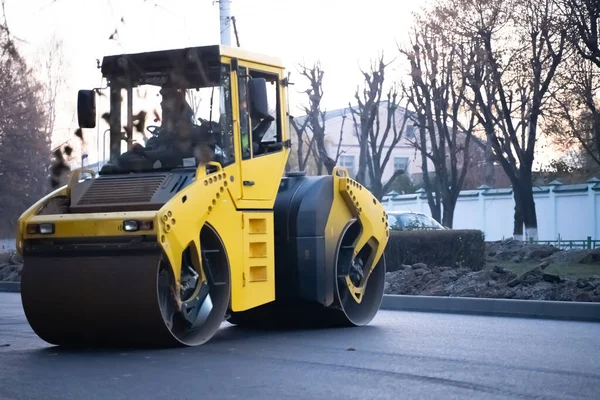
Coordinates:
241	334
226	335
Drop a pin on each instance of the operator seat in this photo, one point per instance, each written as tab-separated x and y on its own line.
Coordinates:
259	132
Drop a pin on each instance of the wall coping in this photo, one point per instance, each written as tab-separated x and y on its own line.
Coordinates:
486	191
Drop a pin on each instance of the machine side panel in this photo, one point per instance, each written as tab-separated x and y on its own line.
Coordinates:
258	277
248	240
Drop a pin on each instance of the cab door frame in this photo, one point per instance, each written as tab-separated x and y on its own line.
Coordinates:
260	174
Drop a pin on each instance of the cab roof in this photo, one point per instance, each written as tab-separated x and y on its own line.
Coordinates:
163	61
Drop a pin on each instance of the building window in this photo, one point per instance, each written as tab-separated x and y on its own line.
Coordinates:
400	163
410	132
348	163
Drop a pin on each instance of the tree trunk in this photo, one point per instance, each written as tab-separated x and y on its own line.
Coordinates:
435	203
596	133
518	220
362	162
528	204
377	189
530	219
329	165
489	165
448	213
436	210
525	212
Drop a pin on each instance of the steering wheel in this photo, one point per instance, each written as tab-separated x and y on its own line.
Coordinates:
153	129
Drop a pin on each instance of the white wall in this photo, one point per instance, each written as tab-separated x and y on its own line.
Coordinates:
569	211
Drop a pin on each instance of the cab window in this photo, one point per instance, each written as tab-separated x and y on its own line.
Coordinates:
257	134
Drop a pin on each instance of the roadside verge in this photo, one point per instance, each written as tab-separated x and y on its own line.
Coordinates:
564	310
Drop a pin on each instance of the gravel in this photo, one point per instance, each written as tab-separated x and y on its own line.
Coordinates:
497	282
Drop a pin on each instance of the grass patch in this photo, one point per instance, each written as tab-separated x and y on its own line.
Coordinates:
564	270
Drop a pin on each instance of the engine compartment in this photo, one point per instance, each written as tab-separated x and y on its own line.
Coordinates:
121	193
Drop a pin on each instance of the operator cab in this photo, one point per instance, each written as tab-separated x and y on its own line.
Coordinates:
175	109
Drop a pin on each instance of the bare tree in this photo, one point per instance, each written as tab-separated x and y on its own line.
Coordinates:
302	139
52	71
521	45
583	17
575	120
315	121
381	136
366	112
437	94
24	141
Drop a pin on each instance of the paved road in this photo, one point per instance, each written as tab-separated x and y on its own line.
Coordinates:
401	355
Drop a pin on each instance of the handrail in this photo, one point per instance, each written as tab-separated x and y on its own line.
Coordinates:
202	167
75	174
342	172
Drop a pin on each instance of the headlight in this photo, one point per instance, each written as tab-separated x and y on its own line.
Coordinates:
44	229
134	225
130	226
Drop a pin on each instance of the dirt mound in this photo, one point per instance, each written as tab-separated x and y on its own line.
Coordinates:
494	282
11	265
518	251
577	256
10	273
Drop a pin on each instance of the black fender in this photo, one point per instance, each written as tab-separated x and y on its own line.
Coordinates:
302	269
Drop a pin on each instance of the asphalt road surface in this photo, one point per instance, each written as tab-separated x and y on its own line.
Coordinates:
401	355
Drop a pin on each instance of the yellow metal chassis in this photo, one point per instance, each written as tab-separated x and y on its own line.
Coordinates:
247	236
177	225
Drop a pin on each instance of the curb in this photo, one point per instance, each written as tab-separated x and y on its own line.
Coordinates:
562	310
11	287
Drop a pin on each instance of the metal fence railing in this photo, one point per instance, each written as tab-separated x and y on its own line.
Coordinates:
582	244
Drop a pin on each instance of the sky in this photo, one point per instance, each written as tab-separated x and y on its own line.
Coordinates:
342	35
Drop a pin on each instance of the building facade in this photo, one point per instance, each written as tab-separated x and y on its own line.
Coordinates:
341	137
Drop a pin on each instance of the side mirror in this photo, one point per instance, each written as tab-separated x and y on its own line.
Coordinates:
259	105
86	108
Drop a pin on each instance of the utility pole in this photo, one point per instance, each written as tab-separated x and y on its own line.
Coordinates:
225	14
225	28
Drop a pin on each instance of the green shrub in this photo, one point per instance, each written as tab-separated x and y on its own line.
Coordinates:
447	248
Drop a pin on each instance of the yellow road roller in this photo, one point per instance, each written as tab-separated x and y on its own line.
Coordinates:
193	221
